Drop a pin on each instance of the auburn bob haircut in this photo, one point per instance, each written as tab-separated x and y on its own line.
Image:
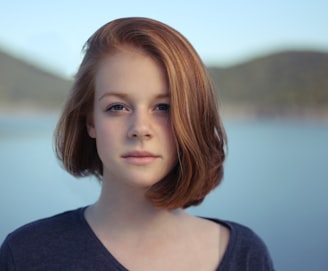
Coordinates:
200	136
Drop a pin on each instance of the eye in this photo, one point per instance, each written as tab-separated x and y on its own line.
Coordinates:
162	107
116	107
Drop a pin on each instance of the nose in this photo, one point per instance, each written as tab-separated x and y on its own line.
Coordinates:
140	126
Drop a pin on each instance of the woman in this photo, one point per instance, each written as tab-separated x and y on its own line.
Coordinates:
143	118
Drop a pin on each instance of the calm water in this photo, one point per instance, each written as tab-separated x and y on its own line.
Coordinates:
276	182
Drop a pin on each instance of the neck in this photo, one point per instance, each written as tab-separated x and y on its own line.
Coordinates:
125	210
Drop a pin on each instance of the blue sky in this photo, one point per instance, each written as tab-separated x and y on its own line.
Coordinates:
51	33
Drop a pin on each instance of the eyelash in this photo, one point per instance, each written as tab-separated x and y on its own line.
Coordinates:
167	107
111	108
158	107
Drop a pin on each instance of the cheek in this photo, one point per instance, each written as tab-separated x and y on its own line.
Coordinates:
104	133
108	135
107	143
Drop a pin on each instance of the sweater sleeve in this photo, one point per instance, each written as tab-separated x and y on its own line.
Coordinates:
6	257
246	251
256	255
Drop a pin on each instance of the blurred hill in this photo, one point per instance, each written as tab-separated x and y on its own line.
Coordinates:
25	86
291	82
284	83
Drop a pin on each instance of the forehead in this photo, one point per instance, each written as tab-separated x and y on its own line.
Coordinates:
130	69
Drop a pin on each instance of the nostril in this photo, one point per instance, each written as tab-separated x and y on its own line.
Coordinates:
140	135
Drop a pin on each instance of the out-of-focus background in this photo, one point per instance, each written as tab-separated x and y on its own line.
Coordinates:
269	61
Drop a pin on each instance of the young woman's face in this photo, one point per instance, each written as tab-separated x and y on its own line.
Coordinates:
131	119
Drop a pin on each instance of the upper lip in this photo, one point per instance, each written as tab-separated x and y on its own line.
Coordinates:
139	154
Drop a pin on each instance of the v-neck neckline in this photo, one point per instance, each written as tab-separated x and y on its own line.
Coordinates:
120	266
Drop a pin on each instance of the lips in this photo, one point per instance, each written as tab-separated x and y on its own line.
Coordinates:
139	157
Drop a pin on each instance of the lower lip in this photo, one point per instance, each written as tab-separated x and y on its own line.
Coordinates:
140	160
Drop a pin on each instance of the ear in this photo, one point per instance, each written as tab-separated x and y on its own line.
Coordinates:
91	127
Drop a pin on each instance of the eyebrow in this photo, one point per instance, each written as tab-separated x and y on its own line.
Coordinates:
124	95
115	94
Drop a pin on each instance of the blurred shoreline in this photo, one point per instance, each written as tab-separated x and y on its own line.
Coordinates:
287	85
253	113
228	112
23	110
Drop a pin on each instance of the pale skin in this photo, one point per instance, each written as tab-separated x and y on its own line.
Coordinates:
131	125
